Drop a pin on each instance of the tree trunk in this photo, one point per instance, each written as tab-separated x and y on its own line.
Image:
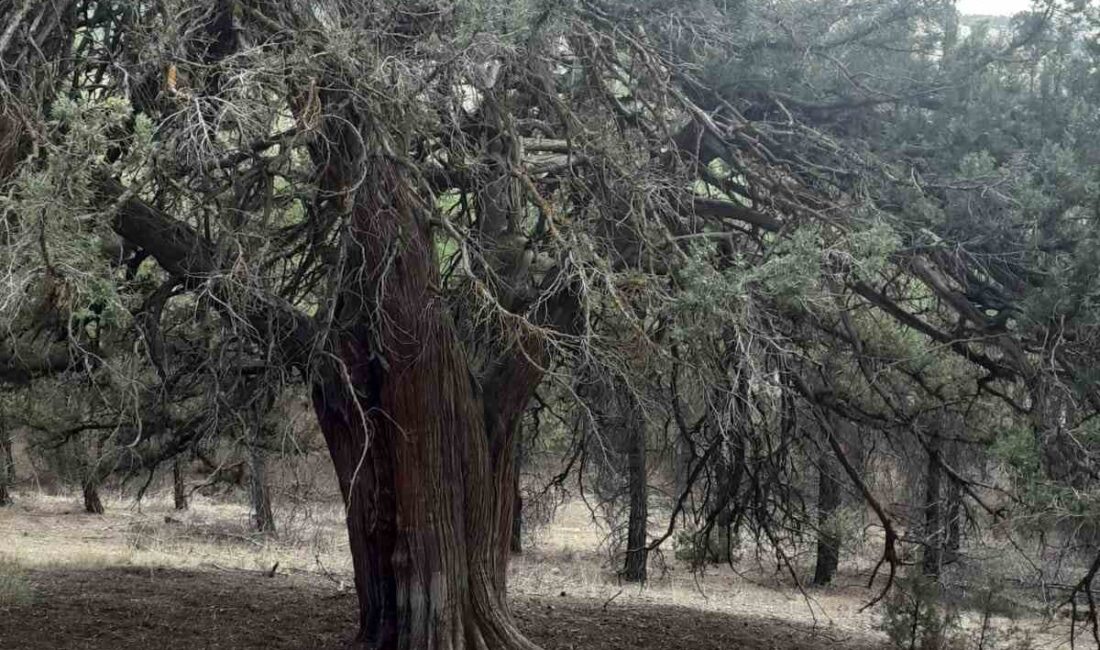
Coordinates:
726	424
263	520
636	540
828	539
724	513
933	522
179	493
92	503
422	452
7	466
618	419
92	470
517	503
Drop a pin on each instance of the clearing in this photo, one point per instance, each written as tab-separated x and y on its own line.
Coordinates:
152	577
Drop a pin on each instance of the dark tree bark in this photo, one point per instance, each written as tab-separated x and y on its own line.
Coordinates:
423	453
724	511
634	569
727	426
933	519
517	503
179	493
92	503
428	514
7	465
828	541
93	475
618	420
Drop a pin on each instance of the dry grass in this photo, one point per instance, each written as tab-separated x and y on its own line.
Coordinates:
564	562
567	559
15	588
53	532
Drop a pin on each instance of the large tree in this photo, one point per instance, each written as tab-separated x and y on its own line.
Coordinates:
420	218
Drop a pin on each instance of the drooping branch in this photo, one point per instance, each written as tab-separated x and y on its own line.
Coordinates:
185	254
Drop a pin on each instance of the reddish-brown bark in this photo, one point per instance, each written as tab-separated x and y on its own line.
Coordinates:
422	453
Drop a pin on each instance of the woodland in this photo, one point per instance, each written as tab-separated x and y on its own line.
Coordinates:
765	279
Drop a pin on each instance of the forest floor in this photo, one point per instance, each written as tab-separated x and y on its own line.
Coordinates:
151	577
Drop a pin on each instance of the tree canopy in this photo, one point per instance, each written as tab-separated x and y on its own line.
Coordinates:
786	230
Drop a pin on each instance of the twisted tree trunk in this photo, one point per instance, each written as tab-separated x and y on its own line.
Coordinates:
423	453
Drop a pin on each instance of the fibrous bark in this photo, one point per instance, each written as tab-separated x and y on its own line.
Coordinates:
423	454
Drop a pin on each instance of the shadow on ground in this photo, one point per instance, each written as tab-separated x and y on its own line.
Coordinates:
168	609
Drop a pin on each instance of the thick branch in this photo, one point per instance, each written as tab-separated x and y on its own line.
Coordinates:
183	253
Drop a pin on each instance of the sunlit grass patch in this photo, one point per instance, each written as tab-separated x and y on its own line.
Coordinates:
15	586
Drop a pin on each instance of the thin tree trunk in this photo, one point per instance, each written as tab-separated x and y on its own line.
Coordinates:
92	503
7	466
619	421
933	521
263	520
724	512
179	493
828	541
727	423
635	567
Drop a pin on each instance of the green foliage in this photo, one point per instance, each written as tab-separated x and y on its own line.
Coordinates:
691	547
871	248
47	208
706	293
867	142
1017	448
920	614
791	273
916	616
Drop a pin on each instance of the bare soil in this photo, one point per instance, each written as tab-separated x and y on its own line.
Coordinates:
152	578
169	609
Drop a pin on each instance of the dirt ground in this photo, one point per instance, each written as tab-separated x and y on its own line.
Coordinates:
169	609
149	577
